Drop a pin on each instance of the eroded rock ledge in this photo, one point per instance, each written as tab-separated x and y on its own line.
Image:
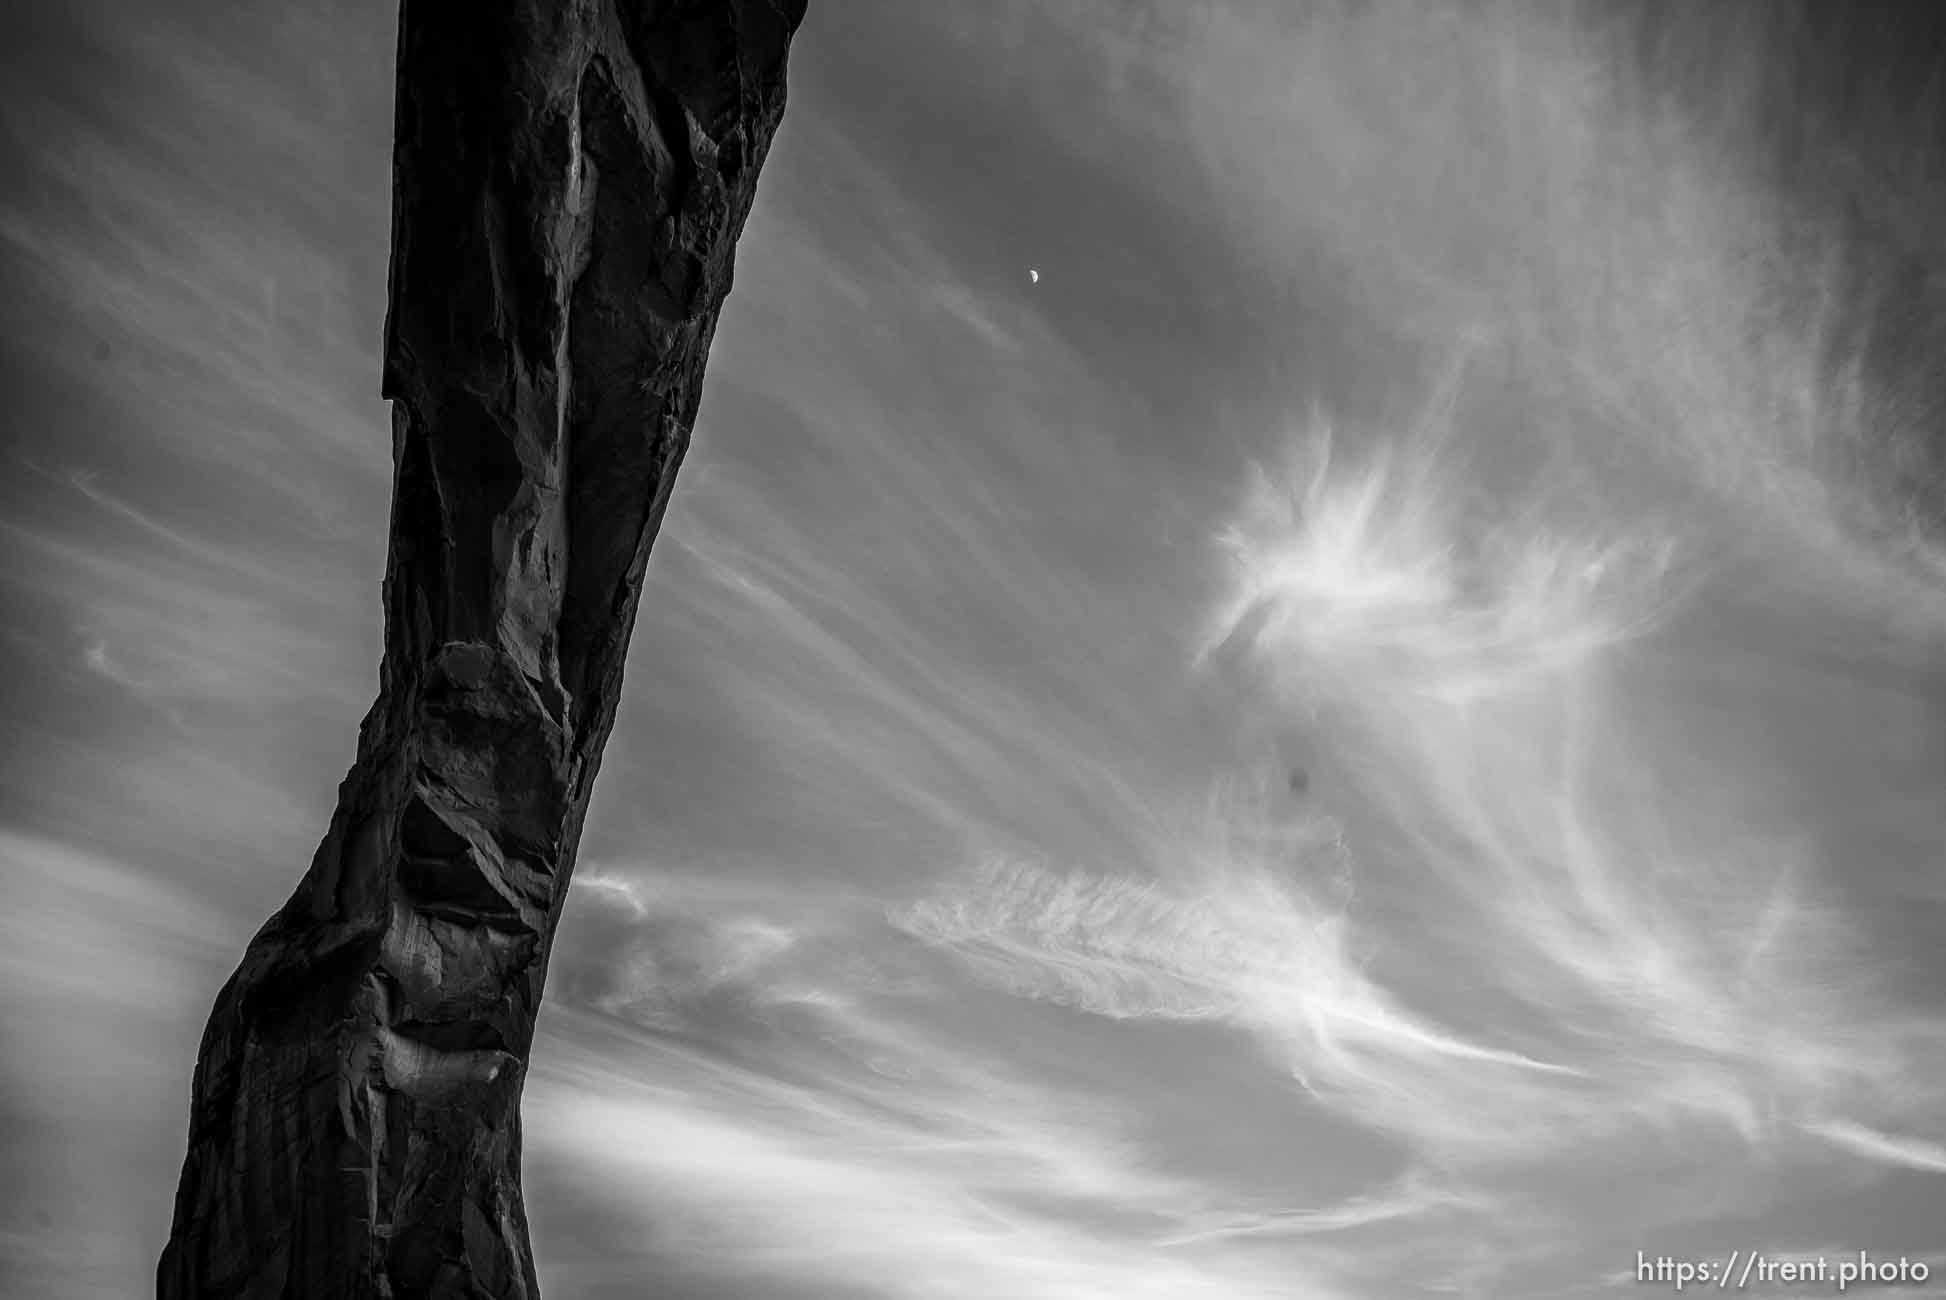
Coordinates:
570	180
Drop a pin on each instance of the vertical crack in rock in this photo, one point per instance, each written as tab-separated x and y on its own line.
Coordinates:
570	180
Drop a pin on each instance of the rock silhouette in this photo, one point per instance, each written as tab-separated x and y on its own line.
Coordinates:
570	181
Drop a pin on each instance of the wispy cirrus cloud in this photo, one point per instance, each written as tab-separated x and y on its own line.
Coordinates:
842	1200
1394	570
772	1103
1651	947
102	968
1913	1153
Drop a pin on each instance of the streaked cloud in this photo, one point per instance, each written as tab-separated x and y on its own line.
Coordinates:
103	977
1913	1153
833	1199
1375	574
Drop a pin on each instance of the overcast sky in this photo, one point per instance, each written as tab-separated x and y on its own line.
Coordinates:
1302	652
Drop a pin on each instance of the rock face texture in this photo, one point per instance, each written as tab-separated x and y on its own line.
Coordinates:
570	180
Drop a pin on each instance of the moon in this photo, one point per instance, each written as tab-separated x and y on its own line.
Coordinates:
1034	276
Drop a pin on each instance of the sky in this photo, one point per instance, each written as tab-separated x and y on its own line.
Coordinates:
1301	653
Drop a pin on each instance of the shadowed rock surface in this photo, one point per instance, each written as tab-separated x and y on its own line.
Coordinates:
570	180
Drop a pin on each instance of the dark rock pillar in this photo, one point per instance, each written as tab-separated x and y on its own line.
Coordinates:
570	179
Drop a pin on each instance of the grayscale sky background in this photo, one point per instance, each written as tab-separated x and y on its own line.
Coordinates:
1379	730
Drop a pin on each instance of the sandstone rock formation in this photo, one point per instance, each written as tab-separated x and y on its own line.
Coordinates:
570	180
